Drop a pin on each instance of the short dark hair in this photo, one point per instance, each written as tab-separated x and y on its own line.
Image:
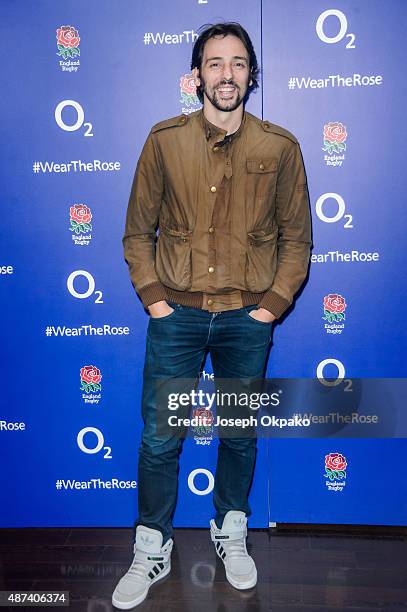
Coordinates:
224	29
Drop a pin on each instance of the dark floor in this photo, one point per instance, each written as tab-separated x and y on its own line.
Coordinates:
306	570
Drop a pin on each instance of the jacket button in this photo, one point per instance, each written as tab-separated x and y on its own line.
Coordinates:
213	188
211	230
211	269
261	166
209	302
215	149
182	119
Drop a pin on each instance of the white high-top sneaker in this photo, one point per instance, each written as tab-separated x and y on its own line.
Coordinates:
151	562
230	545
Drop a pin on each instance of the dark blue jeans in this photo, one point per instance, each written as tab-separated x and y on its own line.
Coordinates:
176	347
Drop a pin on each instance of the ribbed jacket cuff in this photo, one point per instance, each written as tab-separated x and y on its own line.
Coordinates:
273	302
154	292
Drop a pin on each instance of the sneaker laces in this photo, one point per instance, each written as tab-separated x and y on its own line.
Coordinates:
235	548
140	567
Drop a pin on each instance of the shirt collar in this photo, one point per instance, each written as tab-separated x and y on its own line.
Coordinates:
215	134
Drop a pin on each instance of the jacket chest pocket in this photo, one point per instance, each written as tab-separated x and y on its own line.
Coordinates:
261	175
261	259
173	258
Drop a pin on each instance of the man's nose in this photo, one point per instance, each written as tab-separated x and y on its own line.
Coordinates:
227	72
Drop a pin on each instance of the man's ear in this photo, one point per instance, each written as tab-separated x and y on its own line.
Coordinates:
195	74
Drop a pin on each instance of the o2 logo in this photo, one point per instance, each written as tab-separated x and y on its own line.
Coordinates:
340	377
90	288
93	449
340	212
342	32
191	483
80	118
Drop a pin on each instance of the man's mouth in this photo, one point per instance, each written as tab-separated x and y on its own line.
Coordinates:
226	91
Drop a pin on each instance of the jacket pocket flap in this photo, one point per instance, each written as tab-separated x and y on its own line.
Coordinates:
262	235
261	166
174	232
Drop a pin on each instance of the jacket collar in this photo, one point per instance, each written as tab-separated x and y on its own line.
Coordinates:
215	134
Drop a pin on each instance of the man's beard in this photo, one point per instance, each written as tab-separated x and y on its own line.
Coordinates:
222	105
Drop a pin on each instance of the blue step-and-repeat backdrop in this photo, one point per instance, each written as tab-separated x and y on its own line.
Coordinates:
82	86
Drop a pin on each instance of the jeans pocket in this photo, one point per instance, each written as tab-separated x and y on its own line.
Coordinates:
168	316
249	309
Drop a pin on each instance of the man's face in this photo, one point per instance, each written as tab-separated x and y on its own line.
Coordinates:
224	73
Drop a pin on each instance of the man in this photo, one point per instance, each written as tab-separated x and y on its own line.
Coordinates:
229	195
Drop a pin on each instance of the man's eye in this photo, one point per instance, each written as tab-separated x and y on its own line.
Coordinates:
214	65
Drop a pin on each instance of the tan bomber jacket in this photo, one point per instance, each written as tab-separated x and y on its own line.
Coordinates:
271	227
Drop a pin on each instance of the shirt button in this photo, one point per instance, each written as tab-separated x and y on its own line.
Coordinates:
211	269
211	230
213	188
209	302
261	166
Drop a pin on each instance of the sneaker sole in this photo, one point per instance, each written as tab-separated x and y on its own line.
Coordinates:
249	584
135	602
242	586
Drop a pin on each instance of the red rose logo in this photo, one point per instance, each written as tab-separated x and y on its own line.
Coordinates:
188	90
80	213
335	466
334	307
335	132
205	416
80	219
335	135
68	37
68	42
91	374
335	461
90	378
334	302
187	84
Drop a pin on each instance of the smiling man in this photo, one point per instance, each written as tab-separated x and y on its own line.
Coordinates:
229	196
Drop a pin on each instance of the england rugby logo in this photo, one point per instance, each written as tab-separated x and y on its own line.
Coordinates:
204	428
68	42
90	384
335	135
188	93
80	217
90	378
335	471
334	308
